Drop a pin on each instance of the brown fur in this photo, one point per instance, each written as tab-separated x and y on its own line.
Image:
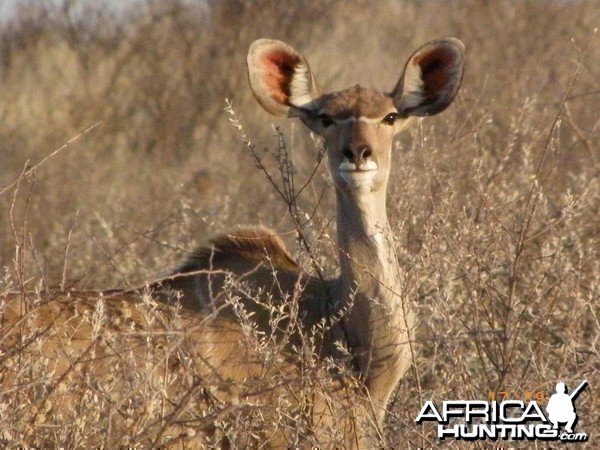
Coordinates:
257	244
241	331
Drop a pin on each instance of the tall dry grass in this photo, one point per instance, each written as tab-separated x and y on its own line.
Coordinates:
496	202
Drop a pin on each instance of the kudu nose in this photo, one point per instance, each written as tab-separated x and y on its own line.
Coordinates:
358	154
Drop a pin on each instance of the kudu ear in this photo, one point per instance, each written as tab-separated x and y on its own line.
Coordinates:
431	78
281	79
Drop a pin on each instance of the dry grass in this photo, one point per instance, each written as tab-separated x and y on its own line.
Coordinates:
496	202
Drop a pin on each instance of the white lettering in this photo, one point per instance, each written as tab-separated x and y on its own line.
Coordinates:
504	411
510	419
454	432
454	408
533	412
433	415
477	408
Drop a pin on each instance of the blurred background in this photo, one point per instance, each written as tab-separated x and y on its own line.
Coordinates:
495	202
165	166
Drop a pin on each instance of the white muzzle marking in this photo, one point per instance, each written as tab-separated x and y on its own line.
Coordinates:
360	177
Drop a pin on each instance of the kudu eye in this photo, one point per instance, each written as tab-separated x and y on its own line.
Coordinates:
390	119
325	120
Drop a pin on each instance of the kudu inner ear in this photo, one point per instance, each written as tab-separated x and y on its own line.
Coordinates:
431	78
280	78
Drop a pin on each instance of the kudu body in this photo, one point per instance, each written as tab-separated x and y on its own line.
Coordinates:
229	289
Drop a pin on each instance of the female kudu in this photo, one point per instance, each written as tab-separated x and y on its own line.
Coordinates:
244	290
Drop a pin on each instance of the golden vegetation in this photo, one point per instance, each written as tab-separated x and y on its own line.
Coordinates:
496	202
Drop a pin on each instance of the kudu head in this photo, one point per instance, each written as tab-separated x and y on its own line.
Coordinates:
358	124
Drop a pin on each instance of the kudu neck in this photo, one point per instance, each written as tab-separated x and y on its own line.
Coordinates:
377	320
364	234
